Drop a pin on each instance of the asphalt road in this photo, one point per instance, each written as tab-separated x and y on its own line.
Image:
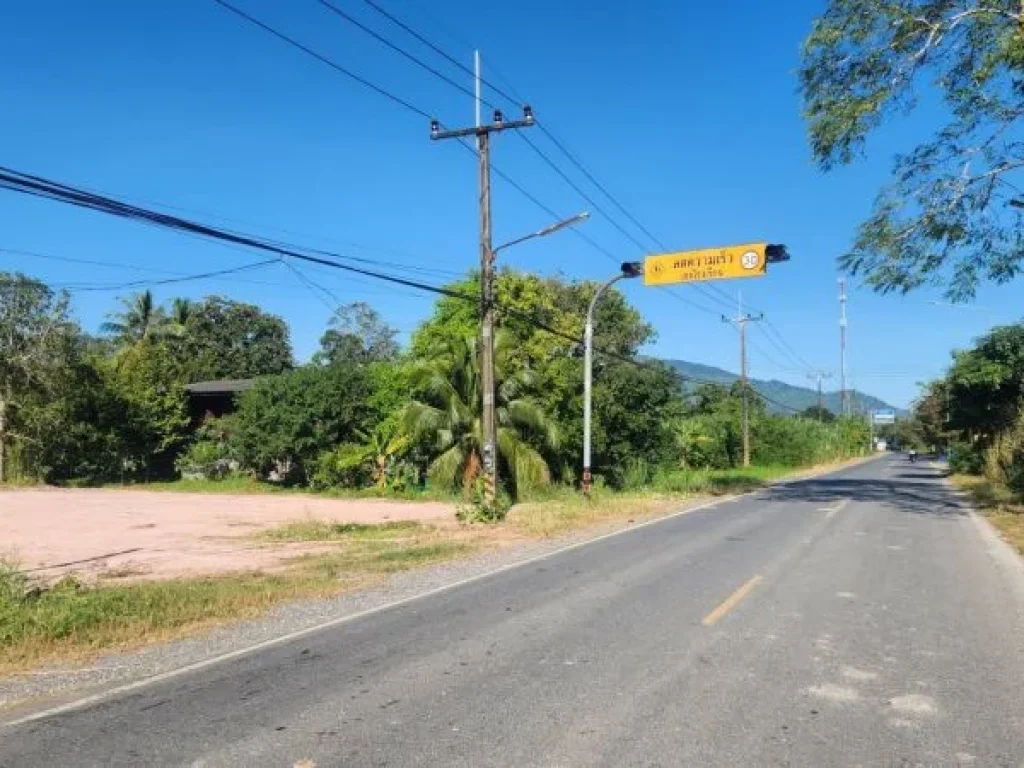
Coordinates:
862	618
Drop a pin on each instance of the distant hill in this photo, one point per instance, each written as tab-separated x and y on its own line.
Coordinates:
787	395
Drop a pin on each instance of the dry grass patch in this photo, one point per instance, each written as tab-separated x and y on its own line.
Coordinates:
1001	507
71	620
568	510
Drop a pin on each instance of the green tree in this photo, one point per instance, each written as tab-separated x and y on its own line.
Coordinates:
985	385
226	339
527	302
816	413
529	305
358	334
286	421
944	218
147	379
445	415
634	409
138	318
36	336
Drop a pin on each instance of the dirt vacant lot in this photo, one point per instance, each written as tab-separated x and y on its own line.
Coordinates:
151	534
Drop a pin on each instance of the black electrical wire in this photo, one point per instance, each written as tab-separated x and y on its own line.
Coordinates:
437	49
170	280
37	186
332	64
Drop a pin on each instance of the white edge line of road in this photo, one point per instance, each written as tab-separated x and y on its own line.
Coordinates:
135	685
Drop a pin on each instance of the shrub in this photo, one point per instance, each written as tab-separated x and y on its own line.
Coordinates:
636	474
210	457
1004	460
966	459
347	466
286	423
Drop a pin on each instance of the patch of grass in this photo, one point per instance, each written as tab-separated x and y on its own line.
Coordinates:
1001	506
381	560
72	620
564	509
717	481
322	530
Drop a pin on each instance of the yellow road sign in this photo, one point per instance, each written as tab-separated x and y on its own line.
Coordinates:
725	263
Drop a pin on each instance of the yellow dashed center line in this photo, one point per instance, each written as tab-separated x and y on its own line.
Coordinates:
731	602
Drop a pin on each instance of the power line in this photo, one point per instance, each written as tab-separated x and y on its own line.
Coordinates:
581	193
782	339
118	265
37	186
169	280
332	64
547	160
437	49
784	352
401	51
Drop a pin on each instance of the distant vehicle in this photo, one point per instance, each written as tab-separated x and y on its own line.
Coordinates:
912	455
881	445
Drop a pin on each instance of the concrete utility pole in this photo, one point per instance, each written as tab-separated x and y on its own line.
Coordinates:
820	376
741	321
844	396
483	145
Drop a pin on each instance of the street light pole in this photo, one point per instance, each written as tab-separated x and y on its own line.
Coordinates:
629	269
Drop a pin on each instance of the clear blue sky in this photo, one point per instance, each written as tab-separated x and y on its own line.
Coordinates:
687	112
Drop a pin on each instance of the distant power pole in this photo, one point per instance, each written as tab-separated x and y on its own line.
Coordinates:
820	376
483	145
741	321
844	396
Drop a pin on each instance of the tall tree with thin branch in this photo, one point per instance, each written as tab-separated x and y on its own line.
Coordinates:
951	214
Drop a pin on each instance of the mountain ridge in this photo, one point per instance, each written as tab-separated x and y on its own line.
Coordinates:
786	396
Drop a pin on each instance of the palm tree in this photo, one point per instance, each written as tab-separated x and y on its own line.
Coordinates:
138	319
181	311
447	416
383	443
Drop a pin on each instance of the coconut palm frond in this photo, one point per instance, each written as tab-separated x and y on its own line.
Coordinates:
446	470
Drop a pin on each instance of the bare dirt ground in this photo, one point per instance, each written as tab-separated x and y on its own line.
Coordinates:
158	535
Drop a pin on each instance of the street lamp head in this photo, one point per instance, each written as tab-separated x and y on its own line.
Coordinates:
498	117
528	113
632	268
435	128
558	225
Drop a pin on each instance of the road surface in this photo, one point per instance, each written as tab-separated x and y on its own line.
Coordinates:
861	618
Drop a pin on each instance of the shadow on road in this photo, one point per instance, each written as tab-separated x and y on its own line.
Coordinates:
916	491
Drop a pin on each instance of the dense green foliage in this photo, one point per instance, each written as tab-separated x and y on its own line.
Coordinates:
977	409
286	421
946	217
364	414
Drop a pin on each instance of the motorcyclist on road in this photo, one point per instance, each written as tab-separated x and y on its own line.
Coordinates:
912	455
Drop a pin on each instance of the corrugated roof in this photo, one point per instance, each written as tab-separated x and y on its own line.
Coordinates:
220	387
